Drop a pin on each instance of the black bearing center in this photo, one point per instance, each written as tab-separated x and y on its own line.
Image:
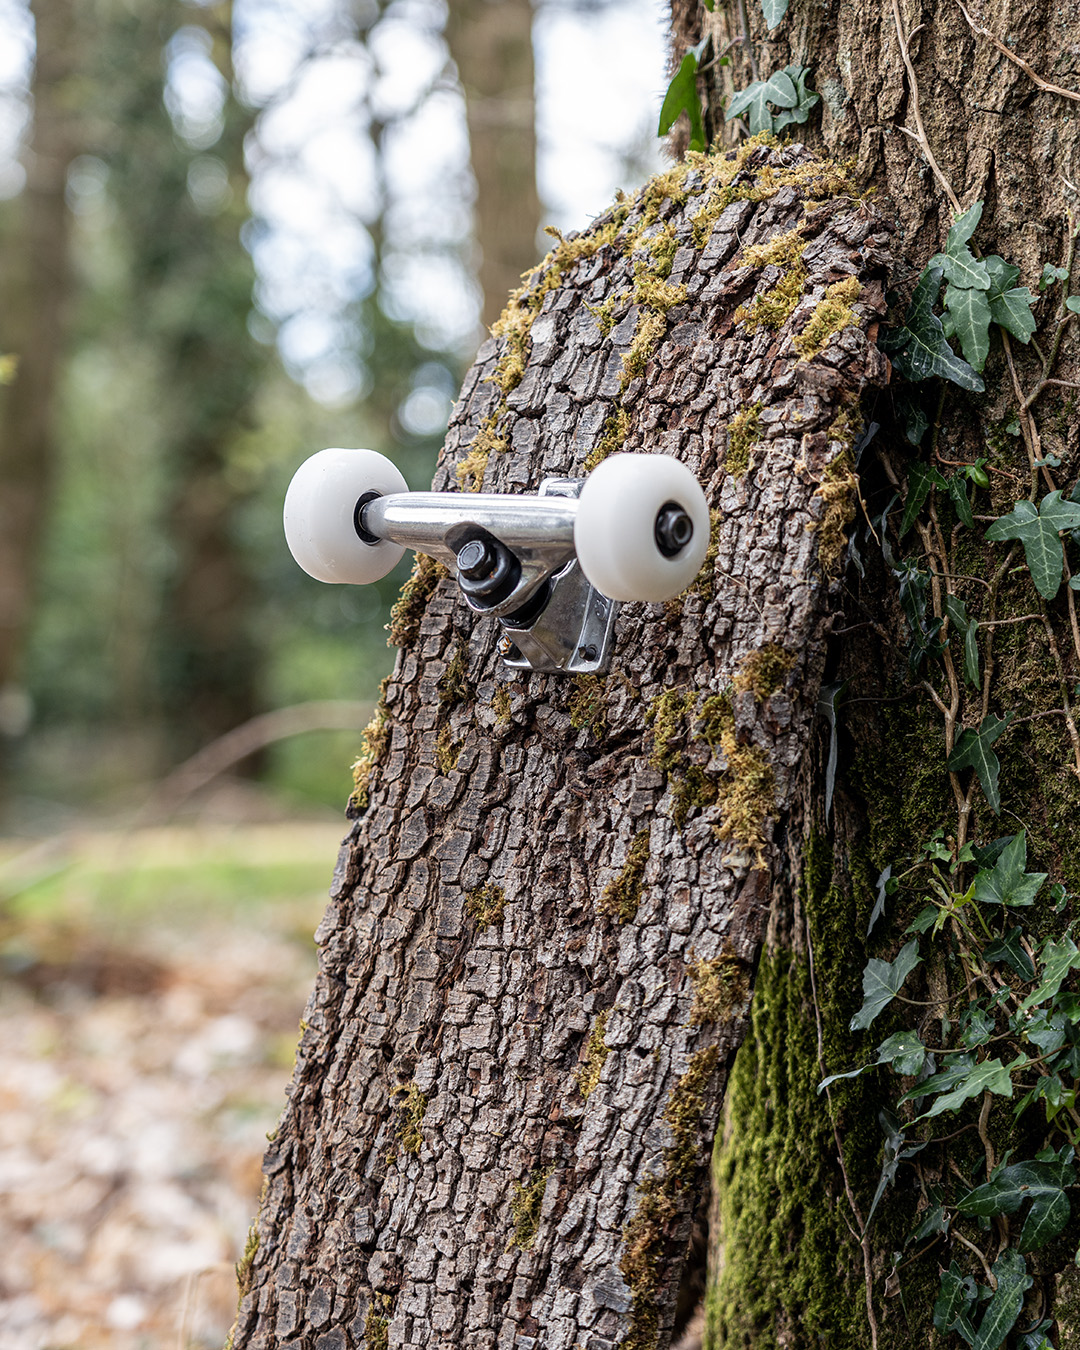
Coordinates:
673	530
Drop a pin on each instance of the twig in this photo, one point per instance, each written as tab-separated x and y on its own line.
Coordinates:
991	1279
924	144
1044	85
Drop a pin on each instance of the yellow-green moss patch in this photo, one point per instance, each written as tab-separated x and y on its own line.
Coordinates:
648	1235
454	686
747	793
377	1322
411	1104
408	609
651	327
693	788
485	904
743	431
668	717
525	1206
839	490
785	250
774	307
721	989
247	1261
612	435
587	707
762	672
374	742
831	315
447	750
623	895
596	1053
470	470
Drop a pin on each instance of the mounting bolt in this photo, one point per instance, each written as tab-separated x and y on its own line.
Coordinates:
588	653
673	529
476	560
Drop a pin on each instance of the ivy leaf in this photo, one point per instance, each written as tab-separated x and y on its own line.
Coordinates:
1038	530
961	503
1010	305
921	478
879	904
1050	274
882	981
968	318
774	11
958	616
828	704
957	1297
1008	883
1058	957
1010	951
1010	1271
904	1052
959	264
682	97
972	751
944	1081
805	98
977	1026
919	347
989	1076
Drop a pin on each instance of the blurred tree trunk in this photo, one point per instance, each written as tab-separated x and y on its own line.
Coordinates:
491	44
33	325
183	207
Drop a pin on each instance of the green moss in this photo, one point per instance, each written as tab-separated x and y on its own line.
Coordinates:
596	1053
485	904
705	582
377	1322
651	327
715	717
503	707
408	610
454	685
612	436
721	989
831	315
470	470
773	308
839	489
374	743
651	290
784	250
694	788
525	1206
747	794
587	707
668	716
662	249
763	671
744	430
447	750
411	1104
623	895
247	1261
648	1237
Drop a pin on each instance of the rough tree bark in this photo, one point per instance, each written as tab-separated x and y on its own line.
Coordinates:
537	962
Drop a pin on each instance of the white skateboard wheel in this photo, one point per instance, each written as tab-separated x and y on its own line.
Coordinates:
320	515
629	544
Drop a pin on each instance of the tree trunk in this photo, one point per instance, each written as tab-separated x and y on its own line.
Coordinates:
537	962
33	328
492	48
794	1171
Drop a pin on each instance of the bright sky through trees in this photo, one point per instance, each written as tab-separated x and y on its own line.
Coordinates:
318	186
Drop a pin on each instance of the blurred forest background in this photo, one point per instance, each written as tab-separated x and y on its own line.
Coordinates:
231	234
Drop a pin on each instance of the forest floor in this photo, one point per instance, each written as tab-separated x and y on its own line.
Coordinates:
151	986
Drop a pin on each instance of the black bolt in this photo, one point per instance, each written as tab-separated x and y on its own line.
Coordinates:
673	530
476	560
588	653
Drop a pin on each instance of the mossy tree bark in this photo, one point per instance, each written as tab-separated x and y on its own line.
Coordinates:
545	922
935	115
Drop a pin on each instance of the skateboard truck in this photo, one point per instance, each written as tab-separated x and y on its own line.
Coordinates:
550	568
